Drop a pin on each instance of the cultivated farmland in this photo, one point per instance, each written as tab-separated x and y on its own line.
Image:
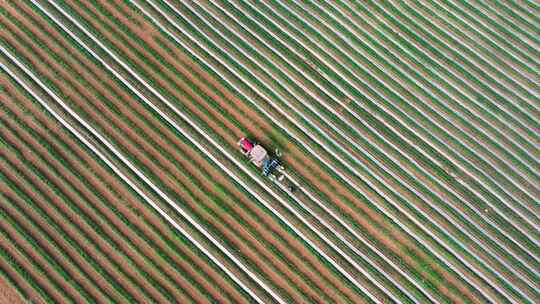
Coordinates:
409	132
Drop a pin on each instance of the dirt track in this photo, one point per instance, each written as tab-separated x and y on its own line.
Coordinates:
7	294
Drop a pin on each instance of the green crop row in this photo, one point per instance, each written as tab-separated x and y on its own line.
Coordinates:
507	105
149	173
326	198
338	78
457	25
126	14
517	10
402	76
65	257
86	255
62	195
416	18
465	98
143	274
503	32
437	46
102	218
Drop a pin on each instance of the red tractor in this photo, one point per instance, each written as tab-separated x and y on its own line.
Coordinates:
258	155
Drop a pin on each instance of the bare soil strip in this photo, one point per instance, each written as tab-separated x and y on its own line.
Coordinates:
8	294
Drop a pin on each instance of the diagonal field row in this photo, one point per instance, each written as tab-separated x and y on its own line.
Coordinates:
413	146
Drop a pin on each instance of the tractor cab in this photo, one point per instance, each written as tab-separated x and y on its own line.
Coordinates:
245	145
258	155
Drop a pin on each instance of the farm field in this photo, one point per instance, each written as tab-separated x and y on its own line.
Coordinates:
409	131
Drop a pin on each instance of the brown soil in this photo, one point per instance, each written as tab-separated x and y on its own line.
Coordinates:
363	221
66	248
33	296
22	245
8	295
74	274
135	204
95	219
